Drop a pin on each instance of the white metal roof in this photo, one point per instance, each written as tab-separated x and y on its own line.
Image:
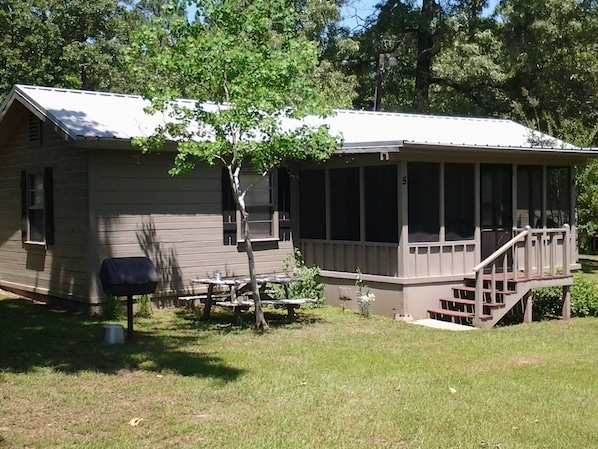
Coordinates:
99	115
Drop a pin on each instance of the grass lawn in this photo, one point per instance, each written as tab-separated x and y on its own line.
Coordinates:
331	380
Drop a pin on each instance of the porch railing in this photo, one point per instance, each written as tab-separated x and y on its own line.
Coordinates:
532	254
372	258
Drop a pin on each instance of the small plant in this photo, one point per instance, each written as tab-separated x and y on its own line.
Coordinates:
144	306
364	296
113	309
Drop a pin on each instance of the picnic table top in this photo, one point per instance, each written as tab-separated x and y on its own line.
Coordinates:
235	280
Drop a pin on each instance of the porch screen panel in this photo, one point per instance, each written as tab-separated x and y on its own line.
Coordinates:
558	196
381	209
344	204
459	201
423	182
529	196
312	204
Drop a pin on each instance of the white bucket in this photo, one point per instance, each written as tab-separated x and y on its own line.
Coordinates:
113	334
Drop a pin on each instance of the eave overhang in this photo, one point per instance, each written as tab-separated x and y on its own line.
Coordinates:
573	154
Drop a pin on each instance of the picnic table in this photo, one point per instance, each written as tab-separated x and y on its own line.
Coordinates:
237	294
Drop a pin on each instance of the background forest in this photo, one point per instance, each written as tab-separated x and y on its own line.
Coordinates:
535	61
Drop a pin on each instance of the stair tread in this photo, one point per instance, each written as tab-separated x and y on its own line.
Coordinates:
484	290
457	313
471	302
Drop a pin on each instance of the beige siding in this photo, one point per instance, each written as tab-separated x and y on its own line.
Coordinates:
60	270
138	209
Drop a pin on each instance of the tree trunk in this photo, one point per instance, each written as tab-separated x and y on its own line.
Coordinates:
261	325
425	42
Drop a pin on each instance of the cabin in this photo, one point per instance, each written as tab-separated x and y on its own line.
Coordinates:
74	191
453	218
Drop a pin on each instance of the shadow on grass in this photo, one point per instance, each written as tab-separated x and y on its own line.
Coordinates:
589	264
221	321
33	336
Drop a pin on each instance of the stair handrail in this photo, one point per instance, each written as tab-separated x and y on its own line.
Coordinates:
525	235
479	272
499	252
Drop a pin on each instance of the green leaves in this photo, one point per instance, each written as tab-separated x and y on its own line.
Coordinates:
71	44
250	71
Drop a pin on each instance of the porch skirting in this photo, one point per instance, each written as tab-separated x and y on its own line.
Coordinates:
395	297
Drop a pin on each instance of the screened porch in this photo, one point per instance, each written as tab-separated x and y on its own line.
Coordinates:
423	220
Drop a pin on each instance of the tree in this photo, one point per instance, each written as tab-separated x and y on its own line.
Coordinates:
440	51
250	69
71	44
550	59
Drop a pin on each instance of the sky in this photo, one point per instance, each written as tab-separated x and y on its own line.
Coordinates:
356	11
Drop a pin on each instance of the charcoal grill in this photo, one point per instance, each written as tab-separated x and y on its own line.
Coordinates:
128	276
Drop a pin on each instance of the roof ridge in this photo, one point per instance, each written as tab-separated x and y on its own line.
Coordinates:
421	115
26	87
76	91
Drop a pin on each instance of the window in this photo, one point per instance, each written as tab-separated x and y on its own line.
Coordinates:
381	204
258	202
36	207
312	204
459	201
558	196
424	201
344	207
260	205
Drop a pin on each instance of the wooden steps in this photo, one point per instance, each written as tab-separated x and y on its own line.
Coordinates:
469	302
508	292
461	307
467	289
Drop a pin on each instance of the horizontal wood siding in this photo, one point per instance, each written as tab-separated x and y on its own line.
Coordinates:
61	269
138	209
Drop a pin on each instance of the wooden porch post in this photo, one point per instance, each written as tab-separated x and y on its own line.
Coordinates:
477	217
403	220
567	251
528	252
528	301
566	302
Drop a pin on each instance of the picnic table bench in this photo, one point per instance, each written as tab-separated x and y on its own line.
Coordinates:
239	287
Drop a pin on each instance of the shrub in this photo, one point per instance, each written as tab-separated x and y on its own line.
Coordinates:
310	287
584	298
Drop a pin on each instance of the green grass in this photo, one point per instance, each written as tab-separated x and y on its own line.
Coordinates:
331	380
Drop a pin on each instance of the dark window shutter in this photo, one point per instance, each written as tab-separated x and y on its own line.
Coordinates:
229	211
49	205
23	205
284	204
